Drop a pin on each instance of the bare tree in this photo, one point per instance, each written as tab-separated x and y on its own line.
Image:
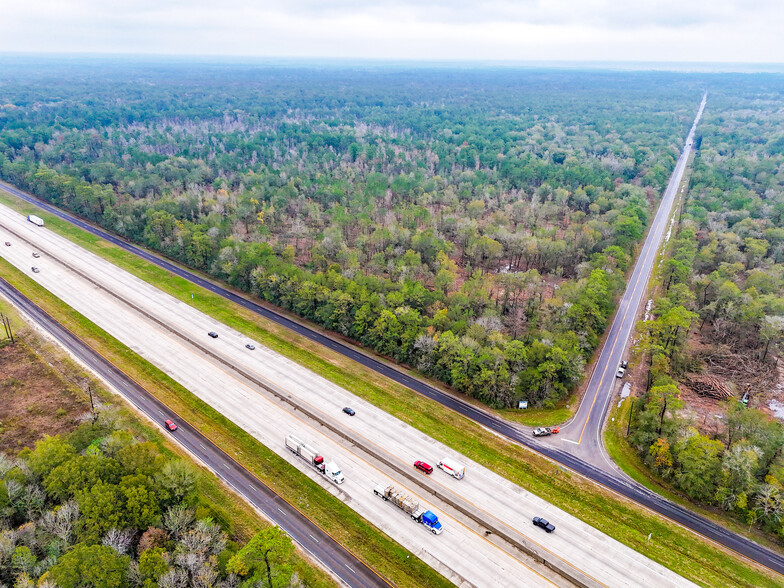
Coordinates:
120	540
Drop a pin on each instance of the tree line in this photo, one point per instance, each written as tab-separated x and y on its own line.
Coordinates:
475	226
98	507
721	312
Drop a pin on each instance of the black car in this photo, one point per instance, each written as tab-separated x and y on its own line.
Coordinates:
349	411
213	334
540	522
624	364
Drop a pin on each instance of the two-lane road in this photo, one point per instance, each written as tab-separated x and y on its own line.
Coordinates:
582	435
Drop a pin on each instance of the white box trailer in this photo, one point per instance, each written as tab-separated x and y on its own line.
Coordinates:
451	467
36	220
306	452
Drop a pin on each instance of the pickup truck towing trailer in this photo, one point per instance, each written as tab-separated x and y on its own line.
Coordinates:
453	468
411	506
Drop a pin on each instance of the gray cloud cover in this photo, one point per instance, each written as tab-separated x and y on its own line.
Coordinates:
656	30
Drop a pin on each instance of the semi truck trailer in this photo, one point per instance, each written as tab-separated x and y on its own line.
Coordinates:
36	220
410	506
310	455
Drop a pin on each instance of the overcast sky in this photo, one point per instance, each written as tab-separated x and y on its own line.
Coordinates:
522	30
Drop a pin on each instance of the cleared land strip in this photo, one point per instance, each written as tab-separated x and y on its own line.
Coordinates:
513	499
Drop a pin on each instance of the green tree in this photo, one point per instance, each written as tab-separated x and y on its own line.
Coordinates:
49	453
264	559
90	566
152	566
101	508
699	461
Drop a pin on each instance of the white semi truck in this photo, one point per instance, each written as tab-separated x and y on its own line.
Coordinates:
453	468
310	455
409	505
36	220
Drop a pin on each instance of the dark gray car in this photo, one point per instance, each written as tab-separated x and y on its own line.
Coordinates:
540	522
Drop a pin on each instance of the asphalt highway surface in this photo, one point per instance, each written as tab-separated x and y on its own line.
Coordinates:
602	474
322	547
584	430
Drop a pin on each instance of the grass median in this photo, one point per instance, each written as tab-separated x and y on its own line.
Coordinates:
389	559
669	544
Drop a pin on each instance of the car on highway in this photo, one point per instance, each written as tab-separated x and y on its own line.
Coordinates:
36	254
621	371
35	270
250	346
170	425
542	523
423	467
349	411
213	334
542	432
8	243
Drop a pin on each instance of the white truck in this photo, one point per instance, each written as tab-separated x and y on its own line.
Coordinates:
332	471
410	506
310	455
451	467
36	220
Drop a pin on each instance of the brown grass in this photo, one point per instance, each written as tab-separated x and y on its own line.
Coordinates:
34	399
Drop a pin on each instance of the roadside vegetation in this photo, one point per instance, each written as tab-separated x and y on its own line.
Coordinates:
672	546
474	226
705	425
106	502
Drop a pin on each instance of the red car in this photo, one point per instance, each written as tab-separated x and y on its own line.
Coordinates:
422	466
170	425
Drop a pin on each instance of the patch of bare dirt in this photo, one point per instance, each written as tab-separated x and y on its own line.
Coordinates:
34	400
730	370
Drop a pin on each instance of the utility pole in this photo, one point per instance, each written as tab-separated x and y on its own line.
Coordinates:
92	404
7	326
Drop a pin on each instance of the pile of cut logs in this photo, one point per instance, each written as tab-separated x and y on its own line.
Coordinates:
705	385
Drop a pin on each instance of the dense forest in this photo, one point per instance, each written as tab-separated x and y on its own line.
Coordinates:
474	224
98	507
717	327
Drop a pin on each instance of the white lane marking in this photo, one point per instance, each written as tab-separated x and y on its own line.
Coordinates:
202	446
349	568
314	539
570	441
225	465
282	511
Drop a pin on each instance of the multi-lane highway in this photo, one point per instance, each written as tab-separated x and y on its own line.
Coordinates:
270	396
606	476
332	555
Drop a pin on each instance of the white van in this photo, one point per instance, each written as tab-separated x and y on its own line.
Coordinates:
451	467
